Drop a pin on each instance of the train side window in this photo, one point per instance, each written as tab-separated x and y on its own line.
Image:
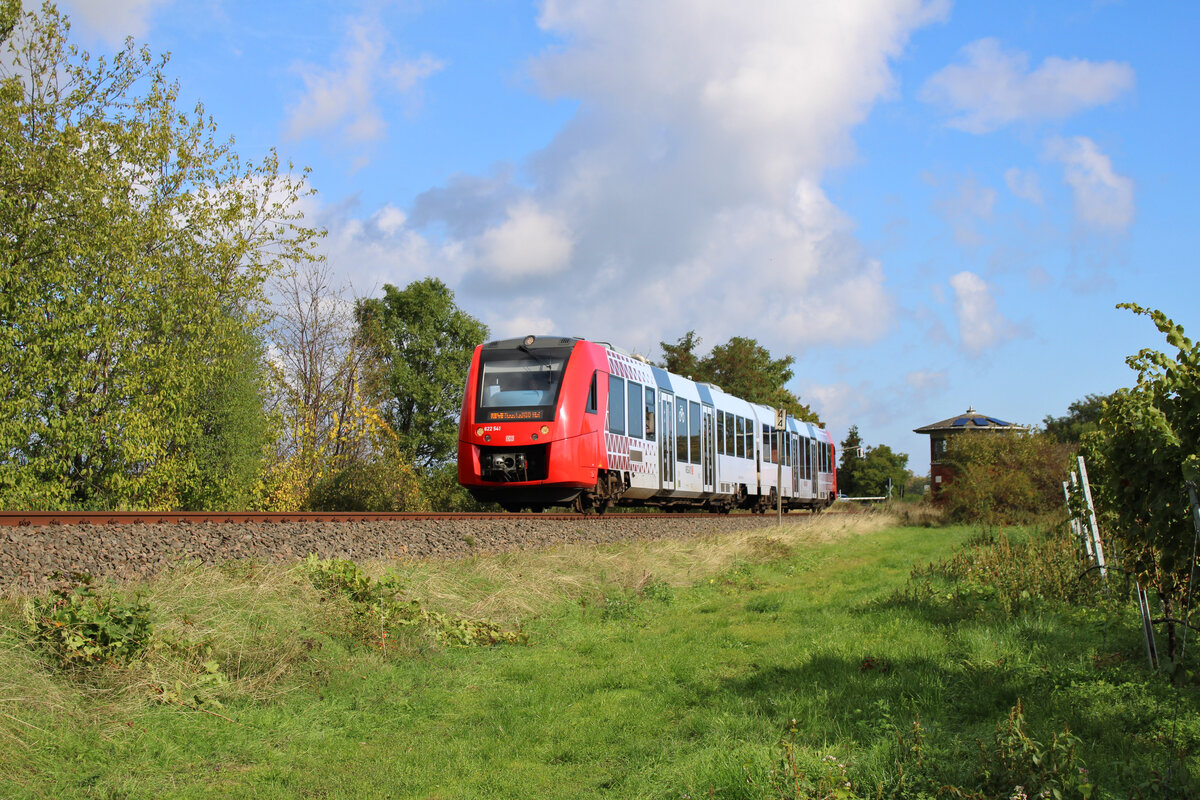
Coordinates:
634	395
748	437
681	430
694	431
739	447
591	401
616	404
720	433
649	413
766	442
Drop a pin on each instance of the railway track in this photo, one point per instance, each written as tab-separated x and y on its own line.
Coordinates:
43	518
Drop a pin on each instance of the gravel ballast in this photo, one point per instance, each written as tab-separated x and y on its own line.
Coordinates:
28	555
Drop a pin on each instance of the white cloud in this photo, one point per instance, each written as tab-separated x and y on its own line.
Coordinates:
994	87
1103	199
344	98
529	242
686	192
980	323
1024	184
113	20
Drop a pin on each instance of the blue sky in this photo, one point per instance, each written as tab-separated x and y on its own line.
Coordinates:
929	205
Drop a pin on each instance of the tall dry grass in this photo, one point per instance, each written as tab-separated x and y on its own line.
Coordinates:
515	586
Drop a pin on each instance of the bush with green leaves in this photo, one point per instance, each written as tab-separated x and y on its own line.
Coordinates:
385	483
381	610
1146	450
1005	478
80	627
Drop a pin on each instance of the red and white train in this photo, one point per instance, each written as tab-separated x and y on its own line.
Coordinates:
551	421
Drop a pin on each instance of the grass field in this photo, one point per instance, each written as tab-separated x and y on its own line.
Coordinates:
803	662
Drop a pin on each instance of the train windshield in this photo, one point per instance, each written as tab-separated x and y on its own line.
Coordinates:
520	384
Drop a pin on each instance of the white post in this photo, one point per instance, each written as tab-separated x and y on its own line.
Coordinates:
1087	493
1077	524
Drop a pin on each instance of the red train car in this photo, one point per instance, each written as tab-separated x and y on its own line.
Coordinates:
550	420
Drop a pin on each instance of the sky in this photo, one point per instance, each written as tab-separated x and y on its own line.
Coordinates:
929	205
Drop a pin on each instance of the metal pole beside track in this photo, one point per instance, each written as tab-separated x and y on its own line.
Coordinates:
779	485
780	429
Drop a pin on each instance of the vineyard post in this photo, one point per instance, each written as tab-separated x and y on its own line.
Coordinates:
1143	601
1087	539
1095	528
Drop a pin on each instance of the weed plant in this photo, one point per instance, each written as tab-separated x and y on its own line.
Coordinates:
381	611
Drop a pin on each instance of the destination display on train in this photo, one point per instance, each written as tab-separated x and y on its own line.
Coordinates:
524	415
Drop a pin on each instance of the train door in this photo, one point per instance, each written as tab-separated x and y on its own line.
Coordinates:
814	466
666	441
795	450
709	436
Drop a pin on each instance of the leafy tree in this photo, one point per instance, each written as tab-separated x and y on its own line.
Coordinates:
1083	416
133	251
1002	478
865	471
327	423
741	367
851	463
880	471
1146	449
681	357
421	344
235	432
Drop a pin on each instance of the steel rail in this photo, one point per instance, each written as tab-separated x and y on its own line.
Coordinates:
42	518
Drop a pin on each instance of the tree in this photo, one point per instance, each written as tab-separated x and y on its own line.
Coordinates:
327	423
422	345
866	471
133	252
235	432
1140	459
851	463
741	367
881	472
1083	416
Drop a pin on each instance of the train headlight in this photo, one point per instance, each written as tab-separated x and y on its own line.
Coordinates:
479	431
545	429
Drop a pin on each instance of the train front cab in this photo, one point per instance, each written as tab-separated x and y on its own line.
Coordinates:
531	431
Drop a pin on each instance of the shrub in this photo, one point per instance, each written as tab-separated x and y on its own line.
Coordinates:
81	628
384	484
1008	478
381	610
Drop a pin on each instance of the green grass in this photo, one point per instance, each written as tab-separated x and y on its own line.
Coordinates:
662	670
